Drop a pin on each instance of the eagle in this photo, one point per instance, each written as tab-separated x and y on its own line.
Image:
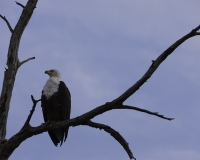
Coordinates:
56	105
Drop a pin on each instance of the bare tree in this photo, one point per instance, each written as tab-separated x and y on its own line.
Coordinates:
7	146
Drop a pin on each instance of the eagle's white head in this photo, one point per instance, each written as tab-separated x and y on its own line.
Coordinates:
53	73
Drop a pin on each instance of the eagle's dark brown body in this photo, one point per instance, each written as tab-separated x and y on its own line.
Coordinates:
57	108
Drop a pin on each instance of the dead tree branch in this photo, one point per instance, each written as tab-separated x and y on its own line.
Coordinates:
114	134
155	65
143	110
26	61
8	24
19	4
13	62
27	131
27	123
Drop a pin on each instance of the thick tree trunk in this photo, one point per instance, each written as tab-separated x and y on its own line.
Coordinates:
13	64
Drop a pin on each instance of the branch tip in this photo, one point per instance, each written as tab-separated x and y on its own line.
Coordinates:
19	4
142	110
32	98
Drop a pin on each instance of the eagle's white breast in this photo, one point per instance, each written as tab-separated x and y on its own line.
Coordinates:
51	86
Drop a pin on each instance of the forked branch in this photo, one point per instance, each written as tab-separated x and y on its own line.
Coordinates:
27	123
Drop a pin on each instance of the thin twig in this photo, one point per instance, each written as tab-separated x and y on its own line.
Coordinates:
19	4
26	61
114	134
31	112
143	110
9	26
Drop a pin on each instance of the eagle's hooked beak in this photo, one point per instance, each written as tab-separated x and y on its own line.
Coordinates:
47	72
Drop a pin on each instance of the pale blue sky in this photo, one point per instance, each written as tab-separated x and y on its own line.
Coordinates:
101	48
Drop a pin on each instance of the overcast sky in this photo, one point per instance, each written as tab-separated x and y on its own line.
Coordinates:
102	47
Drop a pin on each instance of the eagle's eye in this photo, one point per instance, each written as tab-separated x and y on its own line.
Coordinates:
51	71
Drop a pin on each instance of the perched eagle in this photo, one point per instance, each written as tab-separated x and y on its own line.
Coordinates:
56	104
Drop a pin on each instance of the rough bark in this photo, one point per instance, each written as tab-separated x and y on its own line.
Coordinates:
13	64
